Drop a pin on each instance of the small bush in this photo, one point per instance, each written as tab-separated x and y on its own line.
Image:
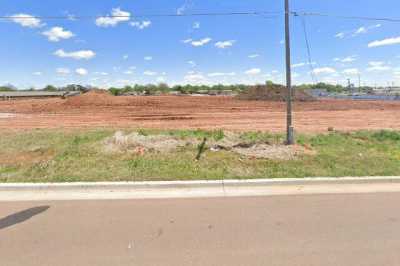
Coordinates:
385	135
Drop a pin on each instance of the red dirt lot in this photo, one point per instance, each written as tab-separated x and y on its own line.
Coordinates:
190	112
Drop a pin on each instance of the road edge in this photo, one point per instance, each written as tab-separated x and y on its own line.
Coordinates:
199	183
195	189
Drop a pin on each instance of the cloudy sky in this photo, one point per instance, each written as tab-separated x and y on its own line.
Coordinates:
135	47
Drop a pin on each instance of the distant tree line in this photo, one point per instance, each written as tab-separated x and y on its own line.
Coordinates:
8	88
151	89
184	89
333	88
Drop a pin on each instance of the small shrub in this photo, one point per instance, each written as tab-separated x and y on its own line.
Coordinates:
385	135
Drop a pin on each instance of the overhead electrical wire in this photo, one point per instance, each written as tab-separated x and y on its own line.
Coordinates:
347	17
307	41
207	14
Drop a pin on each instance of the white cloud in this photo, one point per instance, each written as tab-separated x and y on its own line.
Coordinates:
192	63
221	74
186	5
253	71
160	79
56	34
324	70
195	78
101	73
63	71
81	71
38	73
149	73
124	81
83	54
196	25
253	56
117	16
298	65
224	44
358	31
141	25
361	30
148	58
180	10
376	63
348	59
71	17
384	42
377	66
125	57
201	42
351	71
187	41
340	35
128	72
26	20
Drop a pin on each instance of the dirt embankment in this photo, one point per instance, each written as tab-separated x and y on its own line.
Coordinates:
95	98
100	109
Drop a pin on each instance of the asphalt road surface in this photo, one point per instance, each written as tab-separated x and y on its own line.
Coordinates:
343	229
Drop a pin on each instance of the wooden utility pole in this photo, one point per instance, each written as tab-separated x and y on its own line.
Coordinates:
290	129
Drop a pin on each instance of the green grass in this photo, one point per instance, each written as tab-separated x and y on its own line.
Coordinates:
58	156
185	134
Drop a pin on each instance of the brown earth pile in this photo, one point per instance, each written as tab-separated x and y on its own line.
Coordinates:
273	93
94	98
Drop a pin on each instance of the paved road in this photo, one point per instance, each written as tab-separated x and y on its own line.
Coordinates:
362	229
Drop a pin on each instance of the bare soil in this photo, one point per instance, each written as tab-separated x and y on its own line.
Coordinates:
189	112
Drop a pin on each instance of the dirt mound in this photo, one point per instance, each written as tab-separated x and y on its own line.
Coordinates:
273	152
135	142
139	144
273	93
94	98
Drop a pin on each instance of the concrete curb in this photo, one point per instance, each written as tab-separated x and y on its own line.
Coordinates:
195	183
195	189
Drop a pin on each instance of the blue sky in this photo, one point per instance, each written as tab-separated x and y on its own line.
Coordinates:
197	50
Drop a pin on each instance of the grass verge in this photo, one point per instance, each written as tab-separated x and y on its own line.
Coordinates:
58	156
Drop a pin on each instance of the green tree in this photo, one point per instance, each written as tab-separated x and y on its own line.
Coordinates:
50	88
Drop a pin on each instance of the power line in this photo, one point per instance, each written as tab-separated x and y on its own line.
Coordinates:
310	62
205	14
347	17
